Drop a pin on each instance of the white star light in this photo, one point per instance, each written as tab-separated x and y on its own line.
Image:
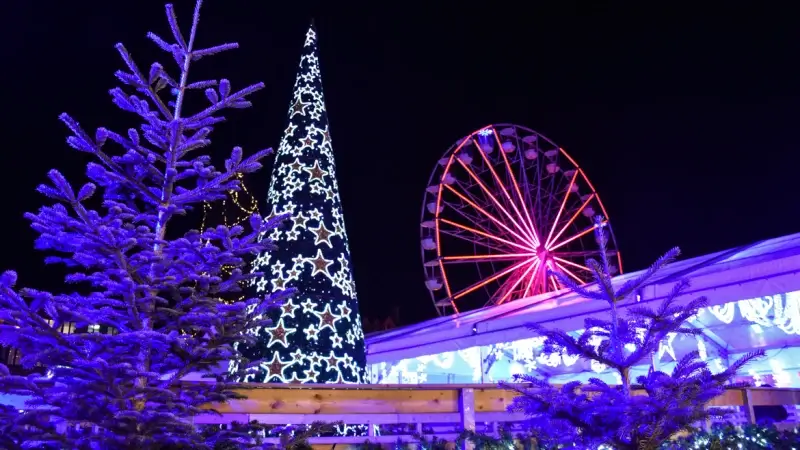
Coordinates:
308	306
312	333
311	37
279	334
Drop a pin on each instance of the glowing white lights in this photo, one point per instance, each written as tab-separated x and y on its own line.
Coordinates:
781	310
758	317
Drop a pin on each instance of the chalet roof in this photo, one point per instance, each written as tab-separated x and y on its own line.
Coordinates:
762	268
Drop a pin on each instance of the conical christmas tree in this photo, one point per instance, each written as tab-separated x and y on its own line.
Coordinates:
316	336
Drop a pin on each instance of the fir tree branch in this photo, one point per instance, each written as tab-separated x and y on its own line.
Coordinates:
594	413
159	292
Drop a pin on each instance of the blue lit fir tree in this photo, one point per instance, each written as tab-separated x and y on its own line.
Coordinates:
596	415
152	302
316	336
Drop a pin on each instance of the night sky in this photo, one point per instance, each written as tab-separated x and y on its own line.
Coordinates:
685	120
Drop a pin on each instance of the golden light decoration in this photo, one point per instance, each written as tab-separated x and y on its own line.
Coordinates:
234	210
244	206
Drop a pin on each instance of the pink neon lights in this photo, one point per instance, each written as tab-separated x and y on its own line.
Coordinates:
486	201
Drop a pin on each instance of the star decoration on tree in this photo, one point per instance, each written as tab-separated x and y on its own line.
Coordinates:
279	333
298	356
288	308
308	306
308	142
295	378
299	107
344	310
339	378
327	319
279	284
299	221
332	361
315	172
312	333
320	264
322	235
275	368
311	374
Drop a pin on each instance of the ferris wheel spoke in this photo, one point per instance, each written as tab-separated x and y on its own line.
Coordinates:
563	204
535	279
486	258
483	234
478	221
528	286
528	229
449	298
556	284
506	288
503	288
584	254
570	263
577	236
488	280
525	274
570	221
477	241
569	272
552	192
494	199
466	211
517	190
526	186
487	214
466	189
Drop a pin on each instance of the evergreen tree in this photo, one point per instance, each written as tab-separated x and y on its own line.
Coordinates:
593	414
155	289
316	337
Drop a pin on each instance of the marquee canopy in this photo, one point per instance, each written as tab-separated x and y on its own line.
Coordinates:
764	268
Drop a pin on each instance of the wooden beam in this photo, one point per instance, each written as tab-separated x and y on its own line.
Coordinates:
466	408
352	400
749	411
335	401
377	419
422	399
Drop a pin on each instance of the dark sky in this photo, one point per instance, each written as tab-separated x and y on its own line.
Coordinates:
684	119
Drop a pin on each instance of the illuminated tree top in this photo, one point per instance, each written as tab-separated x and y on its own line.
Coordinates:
317	336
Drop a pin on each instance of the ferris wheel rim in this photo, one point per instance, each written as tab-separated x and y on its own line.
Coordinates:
437	177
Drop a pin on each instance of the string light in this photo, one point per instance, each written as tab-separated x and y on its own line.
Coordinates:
780	310
244	206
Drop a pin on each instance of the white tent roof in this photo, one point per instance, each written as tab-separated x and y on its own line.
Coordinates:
764	268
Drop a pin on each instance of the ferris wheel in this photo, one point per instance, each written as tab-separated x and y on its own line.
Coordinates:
505	207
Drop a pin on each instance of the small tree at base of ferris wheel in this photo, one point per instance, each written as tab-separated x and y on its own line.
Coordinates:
596	413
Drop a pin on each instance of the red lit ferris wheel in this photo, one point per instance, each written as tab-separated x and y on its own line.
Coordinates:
504	208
